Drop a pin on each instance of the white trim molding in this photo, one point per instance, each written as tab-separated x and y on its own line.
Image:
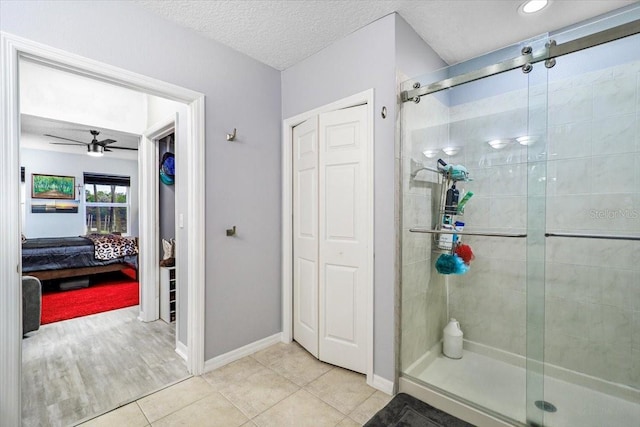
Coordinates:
365	97
239	353
181	349
195	233
149	230
382	384
10	229
12	49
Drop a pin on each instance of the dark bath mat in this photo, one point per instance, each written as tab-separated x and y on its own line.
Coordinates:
407	411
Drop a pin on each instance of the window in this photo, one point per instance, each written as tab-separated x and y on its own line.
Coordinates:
106	203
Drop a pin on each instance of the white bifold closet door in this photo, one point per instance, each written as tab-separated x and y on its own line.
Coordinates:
330	233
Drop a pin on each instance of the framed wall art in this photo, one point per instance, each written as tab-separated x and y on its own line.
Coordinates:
52	187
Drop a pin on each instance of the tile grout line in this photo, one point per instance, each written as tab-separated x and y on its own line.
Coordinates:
142	412
182	407
271	370
332	367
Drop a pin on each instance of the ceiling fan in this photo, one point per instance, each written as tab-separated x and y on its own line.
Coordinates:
94	148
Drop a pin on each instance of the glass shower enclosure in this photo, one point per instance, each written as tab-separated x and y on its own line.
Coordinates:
547	151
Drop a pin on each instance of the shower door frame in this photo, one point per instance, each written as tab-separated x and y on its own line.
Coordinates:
527	59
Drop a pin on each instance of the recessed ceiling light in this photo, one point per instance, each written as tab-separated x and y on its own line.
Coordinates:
533	6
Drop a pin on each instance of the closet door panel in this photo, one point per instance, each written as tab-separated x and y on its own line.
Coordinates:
343	226
305	235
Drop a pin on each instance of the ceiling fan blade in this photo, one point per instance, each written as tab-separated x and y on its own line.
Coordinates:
67	143
106	141
123	148
106	149
67	139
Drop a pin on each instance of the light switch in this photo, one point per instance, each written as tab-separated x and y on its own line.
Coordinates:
181	220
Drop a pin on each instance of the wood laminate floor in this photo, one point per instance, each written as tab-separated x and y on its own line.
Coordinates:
85	366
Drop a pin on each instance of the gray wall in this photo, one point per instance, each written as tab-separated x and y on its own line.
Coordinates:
367	59
57	163
242	179
414	57
360	61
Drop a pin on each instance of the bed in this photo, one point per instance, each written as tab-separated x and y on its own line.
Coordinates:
62	257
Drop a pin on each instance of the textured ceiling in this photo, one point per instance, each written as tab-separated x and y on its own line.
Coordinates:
284	32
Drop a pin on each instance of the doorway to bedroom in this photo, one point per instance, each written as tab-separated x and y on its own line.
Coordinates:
106	344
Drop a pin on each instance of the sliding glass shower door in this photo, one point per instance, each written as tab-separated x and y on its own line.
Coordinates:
550	305
494	128
592	293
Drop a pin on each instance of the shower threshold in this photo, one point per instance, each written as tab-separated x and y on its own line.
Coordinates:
501	387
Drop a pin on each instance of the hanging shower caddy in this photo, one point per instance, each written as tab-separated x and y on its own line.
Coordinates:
448	214
454	256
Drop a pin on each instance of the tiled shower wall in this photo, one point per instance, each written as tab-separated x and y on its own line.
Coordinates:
490	300
592	291
423	299
593	186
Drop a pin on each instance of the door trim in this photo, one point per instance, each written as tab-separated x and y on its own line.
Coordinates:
12	48
365	97
149	230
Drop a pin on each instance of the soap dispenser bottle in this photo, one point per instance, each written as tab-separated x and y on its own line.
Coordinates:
452	345
451	201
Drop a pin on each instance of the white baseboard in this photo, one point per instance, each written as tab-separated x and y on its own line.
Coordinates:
382	384
181	349
239	353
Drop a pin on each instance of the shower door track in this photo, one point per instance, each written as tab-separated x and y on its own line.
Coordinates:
594	236
528	57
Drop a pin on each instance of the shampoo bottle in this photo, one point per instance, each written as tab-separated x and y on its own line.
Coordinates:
464	201
451	202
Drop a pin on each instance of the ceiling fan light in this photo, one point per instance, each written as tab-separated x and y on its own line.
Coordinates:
95	150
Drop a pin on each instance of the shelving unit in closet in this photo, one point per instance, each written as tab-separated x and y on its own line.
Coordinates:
168	294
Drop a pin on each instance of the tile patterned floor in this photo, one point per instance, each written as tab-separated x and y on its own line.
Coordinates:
280	386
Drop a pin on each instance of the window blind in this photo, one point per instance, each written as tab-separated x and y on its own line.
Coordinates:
105	179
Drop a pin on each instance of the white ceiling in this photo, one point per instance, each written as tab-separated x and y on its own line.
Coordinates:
35	128
280	33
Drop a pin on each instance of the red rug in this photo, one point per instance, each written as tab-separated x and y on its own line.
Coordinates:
109	292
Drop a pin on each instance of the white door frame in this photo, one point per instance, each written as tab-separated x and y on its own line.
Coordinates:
365	97
12	48
150	230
